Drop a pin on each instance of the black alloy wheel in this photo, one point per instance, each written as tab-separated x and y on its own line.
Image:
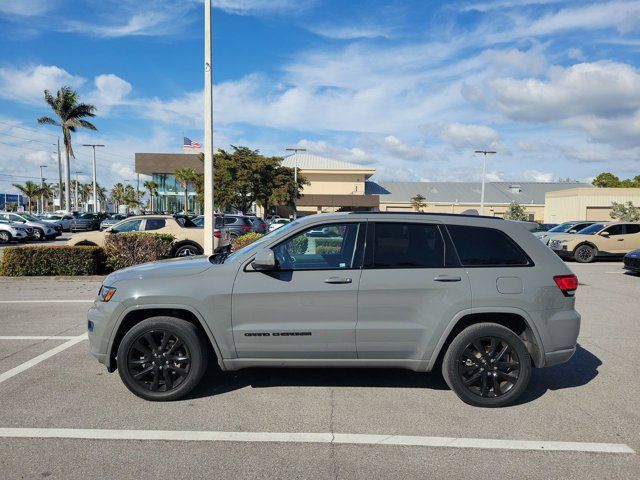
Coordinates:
38	234
186	251
162	358
584	254
487	365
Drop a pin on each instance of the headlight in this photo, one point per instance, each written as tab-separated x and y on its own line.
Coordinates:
105	293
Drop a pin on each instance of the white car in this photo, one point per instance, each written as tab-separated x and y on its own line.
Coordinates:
13	231
59	218
277	223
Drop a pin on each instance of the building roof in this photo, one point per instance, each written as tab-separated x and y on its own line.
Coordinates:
150	163
307	161
467	192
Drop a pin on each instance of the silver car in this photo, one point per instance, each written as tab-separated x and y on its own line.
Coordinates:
480	296
13	232
41	230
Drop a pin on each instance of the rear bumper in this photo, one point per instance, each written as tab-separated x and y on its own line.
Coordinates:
557	357
559	330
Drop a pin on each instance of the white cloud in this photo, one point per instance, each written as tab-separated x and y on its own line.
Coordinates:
352	32
27	84
148	23
257	7
537	176
461	136
26	8
110	90
502	4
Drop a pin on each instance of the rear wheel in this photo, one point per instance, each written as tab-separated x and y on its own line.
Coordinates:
187	250
162	358
487	365
584	254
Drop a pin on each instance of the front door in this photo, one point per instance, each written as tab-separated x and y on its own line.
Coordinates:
410	290
615	243
307	308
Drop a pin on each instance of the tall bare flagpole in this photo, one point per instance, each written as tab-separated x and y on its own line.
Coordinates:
209	215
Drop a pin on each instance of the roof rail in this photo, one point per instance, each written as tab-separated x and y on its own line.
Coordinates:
436	214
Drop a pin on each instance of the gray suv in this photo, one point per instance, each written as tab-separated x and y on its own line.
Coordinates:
479	297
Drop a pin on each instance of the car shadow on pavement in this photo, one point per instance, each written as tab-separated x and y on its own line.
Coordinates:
580	370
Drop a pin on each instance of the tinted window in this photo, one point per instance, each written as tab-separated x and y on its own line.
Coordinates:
632	228
155	223
230	220
407	245
306	252
615	230
132	226
478	246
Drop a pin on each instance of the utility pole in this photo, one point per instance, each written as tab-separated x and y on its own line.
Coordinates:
96	204
60	206
77	206
42	185
209	171
484	174
295	177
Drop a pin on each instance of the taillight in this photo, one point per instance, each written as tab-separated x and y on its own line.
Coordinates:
246	228
216	233
567	284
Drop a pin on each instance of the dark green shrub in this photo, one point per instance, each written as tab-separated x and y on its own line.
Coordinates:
325	249
328	242
244	240
124	250
51	261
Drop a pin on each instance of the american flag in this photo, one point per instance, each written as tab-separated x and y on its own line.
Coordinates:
188	143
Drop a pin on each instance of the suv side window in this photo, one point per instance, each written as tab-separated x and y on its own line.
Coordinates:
155	223
615	230
632	228
405	245
230	220
486	247
132	226
305	251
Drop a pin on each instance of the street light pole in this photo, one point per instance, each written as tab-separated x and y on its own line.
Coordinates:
42	185
484	174
209	168
77	207
295	177
95	184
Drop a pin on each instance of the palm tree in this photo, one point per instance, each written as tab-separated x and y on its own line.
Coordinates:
30	190
117	195
152	187
130	197
47	192
185	176
102	196
70	116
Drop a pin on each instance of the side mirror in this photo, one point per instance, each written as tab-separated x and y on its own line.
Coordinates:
604	234
265	260
572	231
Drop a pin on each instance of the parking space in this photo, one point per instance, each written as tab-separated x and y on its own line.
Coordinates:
66	417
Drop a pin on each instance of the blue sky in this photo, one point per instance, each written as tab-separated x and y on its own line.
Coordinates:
408	87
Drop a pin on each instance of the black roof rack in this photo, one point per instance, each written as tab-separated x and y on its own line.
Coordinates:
436	214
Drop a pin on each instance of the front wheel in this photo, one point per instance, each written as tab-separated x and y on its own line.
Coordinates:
584	254
487	365
38	234
5	237
162	358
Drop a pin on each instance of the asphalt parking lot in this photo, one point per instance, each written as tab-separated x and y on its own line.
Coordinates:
64	416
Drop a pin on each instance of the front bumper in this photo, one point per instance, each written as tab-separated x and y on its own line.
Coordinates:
100	323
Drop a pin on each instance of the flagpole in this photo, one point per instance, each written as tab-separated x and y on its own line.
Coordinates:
209	212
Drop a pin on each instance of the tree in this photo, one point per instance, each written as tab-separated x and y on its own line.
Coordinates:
47	193
185	177
625	212
152	188
70	116
30	190
606	179
515	211
418	202
117	195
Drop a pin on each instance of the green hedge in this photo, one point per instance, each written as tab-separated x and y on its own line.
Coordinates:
244	240
299	245
127	249
328	242
51	261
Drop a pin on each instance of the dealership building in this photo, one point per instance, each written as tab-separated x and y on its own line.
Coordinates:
336	185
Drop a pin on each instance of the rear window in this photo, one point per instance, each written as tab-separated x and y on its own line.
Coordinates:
479	246
407	245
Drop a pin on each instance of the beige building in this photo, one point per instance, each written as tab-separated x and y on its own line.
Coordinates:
586	203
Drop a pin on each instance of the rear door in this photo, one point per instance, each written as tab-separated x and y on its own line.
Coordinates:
629	240
410	289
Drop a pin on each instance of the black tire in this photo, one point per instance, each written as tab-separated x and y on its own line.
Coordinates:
5	237
143	350
584	254
478	378
186	250
38	235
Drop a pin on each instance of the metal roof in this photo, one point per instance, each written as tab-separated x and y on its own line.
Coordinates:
307	161
467	192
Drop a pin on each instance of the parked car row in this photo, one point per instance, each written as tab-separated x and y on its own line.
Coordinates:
20	223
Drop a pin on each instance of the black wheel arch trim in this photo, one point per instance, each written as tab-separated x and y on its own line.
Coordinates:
182	243
110	359
538	354
589	244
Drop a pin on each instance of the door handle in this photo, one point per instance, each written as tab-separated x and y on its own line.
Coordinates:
621	239
338	280
448	278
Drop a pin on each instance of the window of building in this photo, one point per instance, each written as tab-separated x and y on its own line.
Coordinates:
406	245
479	246
305	251
155	223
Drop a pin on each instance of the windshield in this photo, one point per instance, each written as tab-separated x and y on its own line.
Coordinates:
29	217
592	229
258	243
87	215
563	227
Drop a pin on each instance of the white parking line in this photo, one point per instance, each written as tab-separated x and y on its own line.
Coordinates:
339	438
46	301
36	337
42	357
